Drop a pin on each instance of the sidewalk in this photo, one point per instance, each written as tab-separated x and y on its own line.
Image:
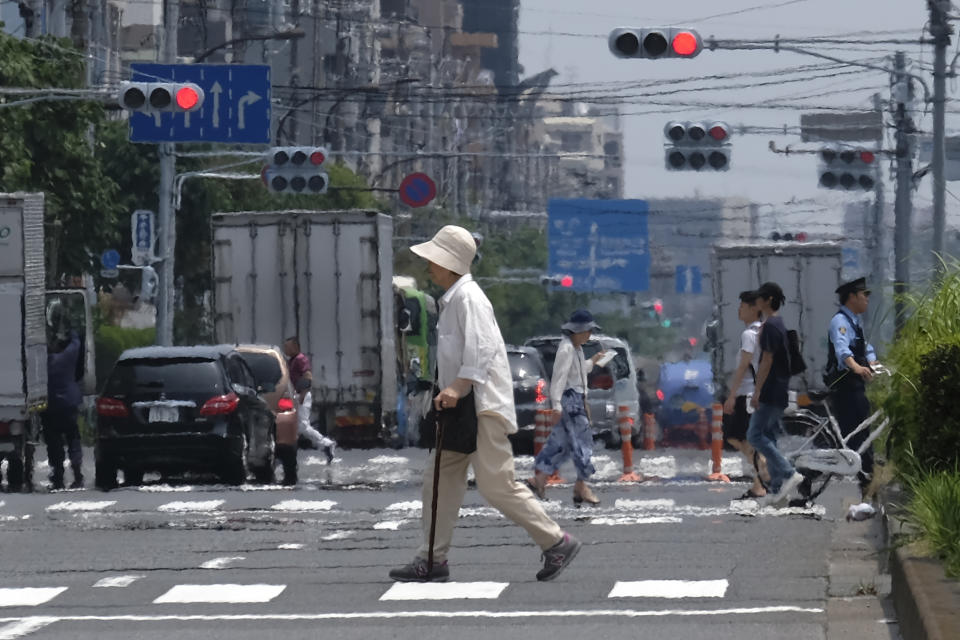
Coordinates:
927	602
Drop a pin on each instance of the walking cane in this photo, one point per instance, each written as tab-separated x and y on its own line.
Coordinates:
436	491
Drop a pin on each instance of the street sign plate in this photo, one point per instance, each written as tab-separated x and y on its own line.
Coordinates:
143	230
236	106
688	279
417	190
109	273
110	258
602	244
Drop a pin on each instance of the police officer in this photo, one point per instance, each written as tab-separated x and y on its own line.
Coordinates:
848	368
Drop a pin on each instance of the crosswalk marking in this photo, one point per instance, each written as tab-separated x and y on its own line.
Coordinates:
290	545
82	505
221	563
637	520
304	505
445	591
389	525
191	506
116	581
221	593
669	589
28	596
24	627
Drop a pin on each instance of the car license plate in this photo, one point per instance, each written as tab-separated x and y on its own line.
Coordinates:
6	446
164	414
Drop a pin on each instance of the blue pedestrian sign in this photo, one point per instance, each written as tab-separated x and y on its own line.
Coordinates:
602	245
236	105
688	279
143	233
110	258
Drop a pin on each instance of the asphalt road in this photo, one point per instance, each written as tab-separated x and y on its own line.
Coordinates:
676	558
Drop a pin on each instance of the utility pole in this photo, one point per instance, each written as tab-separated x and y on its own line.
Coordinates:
879	248
294	69
903	211
940	30
166	221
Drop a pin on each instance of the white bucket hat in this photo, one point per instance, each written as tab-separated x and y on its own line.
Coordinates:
452	248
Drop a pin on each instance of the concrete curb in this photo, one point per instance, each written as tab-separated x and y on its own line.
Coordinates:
926	601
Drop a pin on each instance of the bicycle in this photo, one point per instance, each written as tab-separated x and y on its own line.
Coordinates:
820	452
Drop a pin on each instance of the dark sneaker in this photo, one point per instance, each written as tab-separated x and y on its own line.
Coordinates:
557	557
56	482
328	451
416	571
77	482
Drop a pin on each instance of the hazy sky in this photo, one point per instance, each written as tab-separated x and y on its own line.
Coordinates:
549	39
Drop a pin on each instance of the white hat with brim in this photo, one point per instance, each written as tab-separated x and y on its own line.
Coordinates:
452	248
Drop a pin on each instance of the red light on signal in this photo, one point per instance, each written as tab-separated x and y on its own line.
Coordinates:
692	341
718	133
660	395
187	98
658	306
800	237
685	43
566	281
317	158
867	157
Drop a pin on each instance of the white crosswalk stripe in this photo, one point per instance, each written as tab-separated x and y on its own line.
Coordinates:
116	581
192	506
82	505
445	591
221	593
669	589
28	596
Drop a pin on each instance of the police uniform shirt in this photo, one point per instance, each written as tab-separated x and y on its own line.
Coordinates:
843	332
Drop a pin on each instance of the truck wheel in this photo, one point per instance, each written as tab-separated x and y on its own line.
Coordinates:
105	474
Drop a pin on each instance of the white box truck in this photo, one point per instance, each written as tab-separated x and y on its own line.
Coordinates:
325	277
808	273
23	337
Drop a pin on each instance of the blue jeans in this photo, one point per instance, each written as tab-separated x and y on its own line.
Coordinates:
762	435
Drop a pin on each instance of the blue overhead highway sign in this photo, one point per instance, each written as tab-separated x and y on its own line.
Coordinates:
236	106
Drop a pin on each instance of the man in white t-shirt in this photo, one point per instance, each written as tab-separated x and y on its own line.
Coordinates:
735	416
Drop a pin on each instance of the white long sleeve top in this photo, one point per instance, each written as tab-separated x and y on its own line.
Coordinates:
470	346
570	371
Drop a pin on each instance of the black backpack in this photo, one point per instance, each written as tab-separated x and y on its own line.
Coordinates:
795	360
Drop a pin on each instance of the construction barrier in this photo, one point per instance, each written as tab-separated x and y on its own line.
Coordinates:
716	444
625	424
702	429
649	432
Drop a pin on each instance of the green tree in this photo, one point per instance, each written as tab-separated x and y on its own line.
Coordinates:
48	146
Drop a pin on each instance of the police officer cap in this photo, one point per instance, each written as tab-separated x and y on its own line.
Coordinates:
860	284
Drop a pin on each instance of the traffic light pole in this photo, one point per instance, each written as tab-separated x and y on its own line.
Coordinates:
166	220
940	30
902	207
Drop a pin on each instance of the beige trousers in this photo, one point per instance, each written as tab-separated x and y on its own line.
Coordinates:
493	467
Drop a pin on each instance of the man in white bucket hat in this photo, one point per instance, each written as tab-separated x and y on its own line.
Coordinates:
471	355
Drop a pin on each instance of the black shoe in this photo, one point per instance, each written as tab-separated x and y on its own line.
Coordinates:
77	482
416	571
557	557
328	451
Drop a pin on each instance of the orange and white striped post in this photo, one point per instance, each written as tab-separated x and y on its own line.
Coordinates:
716	444
703	429
625	424
649	432
541	432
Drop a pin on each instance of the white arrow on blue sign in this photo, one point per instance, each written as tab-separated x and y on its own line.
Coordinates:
236	105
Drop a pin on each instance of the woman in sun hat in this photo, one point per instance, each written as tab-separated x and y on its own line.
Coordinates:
572	435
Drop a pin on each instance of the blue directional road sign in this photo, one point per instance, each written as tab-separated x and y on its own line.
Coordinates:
688	279
236	104
602	244
110	258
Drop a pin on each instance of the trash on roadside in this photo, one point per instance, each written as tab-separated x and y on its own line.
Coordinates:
860	511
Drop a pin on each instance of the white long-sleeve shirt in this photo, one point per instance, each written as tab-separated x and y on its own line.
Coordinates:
570	371
469	345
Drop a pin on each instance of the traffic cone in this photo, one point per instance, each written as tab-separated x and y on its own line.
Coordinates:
541	431
625	424
702	429
716	444
649	432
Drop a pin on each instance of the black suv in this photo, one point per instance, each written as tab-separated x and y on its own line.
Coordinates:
172	409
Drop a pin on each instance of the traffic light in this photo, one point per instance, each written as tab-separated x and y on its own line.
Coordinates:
847	169
697	146
158	97
564	281
800	236
296	170
655	43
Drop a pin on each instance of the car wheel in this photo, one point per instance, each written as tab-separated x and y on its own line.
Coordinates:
264	472
235	468
105	476
132	477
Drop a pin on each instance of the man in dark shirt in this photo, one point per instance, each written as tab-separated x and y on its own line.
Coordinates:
770	397
60	418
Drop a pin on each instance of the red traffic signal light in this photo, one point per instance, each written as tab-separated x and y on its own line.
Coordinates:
847	169
566	282
658	306
159	97
697	145
187	97
665	42
296	170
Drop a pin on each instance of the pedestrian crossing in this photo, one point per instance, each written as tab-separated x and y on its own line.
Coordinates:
263	593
